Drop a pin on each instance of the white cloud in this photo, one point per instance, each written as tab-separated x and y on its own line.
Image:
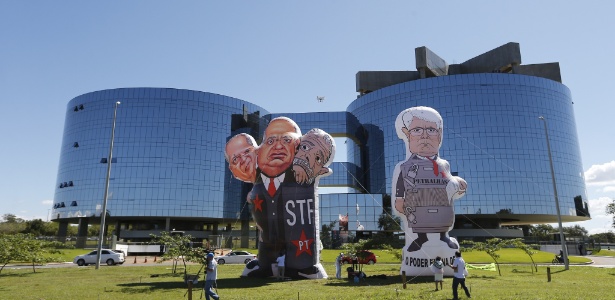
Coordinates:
597	207
600	221
608	189
47	202
603	174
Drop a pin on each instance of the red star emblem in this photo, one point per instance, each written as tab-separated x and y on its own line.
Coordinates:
303	244
257	204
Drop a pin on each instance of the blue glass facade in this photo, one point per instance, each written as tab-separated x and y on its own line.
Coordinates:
168	157
493	138
169	169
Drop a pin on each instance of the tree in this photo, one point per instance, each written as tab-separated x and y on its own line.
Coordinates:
604	237
528	249
36	251
326	235
575	231
178	247
8	250
610	210
355	250
11	218
542	231
491	247
11	224
24	247
35	227
388	224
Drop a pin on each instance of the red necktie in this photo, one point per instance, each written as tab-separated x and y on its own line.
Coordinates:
271	187
435	166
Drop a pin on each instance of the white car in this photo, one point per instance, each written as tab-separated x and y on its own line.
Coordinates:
106	255
235	257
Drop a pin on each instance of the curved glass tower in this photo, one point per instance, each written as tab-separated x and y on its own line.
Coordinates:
169	172
493	138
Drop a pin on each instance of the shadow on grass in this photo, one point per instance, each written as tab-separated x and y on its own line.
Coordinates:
175	281
369	280
520	271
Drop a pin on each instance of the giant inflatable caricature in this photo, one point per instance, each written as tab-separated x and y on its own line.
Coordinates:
285	170
424	191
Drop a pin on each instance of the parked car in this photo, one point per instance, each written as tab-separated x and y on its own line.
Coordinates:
364	257
235	257
119	251
107	256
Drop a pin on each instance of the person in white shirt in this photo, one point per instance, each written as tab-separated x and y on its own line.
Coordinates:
280	260
338	266
210	278
459	277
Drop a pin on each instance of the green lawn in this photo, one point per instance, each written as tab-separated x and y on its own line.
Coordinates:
157	282
605	253
506	256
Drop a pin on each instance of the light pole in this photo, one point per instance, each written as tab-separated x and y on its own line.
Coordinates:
559	215
103	214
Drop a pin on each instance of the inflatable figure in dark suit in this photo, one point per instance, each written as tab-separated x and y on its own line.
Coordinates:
283	209
425	188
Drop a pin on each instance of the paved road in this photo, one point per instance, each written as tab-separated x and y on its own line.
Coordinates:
598	262
130	261
601	261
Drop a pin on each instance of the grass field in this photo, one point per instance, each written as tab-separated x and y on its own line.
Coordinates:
157	282
383	256
605	253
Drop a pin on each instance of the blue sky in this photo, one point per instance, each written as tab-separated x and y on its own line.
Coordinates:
272	53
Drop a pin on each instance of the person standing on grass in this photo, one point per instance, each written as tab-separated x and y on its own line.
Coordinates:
280	260
459	277
438	271
212	275
338	266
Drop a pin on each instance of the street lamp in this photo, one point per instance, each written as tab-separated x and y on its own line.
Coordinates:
103	214
559	215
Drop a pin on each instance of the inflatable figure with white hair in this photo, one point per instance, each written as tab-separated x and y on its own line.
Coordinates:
424	191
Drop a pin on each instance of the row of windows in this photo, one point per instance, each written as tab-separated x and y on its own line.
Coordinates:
170	144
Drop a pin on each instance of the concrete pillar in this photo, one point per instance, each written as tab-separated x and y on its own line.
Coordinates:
62	231
82	232
214	229
105	236
118	229
167	227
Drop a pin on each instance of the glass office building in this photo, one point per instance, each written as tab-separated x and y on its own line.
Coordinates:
169	172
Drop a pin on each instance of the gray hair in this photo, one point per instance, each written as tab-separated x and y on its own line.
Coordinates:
249	140
422	112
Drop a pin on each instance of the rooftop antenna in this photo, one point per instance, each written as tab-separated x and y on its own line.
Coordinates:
320	98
